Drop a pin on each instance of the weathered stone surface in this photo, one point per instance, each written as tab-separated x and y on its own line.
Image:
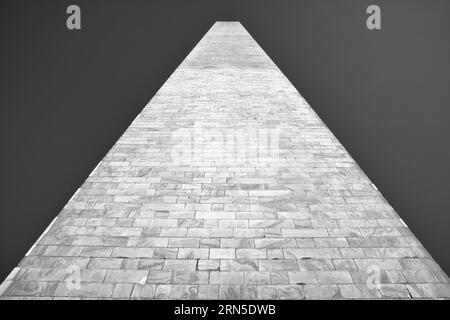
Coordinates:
227	186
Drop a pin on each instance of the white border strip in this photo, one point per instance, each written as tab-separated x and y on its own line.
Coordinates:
74	195
42	235
4	285
137	117
403	222
98	165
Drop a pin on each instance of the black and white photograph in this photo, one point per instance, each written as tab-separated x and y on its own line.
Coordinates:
225	156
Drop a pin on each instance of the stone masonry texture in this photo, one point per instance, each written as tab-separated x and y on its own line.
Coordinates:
227	186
